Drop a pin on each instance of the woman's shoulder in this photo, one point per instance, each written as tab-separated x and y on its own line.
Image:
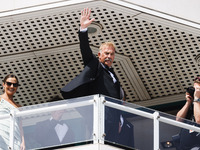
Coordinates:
14	104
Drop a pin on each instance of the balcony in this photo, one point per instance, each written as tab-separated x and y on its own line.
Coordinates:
88	122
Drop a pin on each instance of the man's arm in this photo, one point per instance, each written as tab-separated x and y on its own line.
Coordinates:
85	21
184	110
86	51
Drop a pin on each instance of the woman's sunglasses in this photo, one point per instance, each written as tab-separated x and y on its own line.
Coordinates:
10	83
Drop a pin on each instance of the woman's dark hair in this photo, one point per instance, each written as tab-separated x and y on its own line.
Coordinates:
10	76
191	91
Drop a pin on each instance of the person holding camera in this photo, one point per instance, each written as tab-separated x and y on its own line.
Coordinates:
190	139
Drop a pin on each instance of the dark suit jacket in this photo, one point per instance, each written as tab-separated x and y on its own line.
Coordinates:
45	134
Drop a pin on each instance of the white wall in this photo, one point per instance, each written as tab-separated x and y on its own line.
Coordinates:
7	5
187	9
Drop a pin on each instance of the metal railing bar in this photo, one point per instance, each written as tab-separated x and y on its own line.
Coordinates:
130	110
49	109
178	124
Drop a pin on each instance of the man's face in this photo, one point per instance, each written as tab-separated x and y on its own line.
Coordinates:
107	55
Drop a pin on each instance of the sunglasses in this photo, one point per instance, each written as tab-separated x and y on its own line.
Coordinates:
10	83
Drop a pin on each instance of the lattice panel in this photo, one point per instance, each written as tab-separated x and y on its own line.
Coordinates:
42	75
38	33
62	66
162	54
168	65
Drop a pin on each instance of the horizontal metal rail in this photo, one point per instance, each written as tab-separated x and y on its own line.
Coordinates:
151	116
48	109
178	124
130	110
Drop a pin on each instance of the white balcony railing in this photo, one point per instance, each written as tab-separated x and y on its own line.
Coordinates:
85	122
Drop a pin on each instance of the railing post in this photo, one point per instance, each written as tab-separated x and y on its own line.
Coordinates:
102	119
95	120
12	128
156	130
98	120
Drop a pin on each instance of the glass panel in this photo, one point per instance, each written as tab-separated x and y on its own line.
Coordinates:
143	135
133	131
5	128
60	127
70	123
173	137
168	135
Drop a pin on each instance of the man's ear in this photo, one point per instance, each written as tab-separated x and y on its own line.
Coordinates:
99	54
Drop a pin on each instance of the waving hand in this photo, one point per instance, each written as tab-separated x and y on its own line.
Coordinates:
85	20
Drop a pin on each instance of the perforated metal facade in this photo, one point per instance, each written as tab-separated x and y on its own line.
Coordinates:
155	57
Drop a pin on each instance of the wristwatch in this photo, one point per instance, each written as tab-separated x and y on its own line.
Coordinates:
197	100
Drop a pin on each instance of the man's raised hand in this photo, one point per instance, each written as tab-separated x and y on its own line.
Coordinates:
85	20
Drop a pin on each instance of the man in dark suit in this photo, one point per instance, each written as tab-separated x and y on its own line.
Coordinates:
53	132
97	77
